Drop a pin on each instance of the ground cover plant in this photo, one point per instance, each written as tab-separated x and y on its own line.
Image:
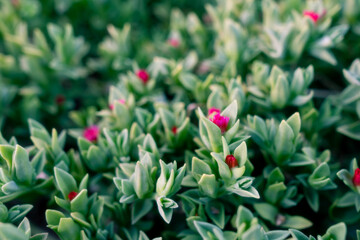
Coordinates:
227	119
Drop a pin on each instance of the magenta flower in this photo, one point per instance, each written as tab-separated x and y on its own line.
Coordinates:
356	177
143	75
174	42
91	133
213	110
312	15
221	121
122	101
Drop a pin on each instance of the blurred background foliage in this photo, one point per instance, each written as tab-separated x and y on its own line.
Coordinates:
52	52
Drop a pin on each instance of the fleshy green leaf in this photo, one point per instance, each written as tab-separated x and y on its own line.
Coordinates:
65	182
139	209
22	167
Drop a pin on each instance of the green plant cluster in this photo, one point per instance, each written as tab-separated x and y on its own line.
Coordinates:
226	120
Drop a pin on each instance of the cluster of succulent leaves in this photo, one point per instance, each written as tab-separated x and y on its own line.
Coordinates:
245	125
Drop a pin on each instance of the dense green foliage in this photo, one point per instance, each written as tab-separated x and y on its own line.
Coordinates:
227	119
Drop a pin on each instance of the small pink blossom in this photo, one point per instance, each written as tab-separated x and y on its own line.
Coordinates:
143	75
122	101
174	42
221	121
42	175
91	133
312	15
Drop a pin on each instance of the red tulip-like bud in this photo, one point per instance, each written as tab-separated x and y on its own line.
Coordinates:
72	195
15	3
174	130
356	177
312	15
92	133
60	99
231	161
207	19
221	121
143	75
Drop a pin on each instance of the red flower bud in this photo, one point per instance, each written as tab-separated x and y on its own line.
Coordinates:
174	130
72	195
231	161
143	75
91	133
60	99
356	177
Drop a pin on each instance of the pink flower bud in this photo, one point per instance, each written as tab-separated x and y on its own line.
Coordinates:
207	19
122	101
356	177
221	121
72	195
42	175
312	15
143	75
92	133
174	42
231	161
203	68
